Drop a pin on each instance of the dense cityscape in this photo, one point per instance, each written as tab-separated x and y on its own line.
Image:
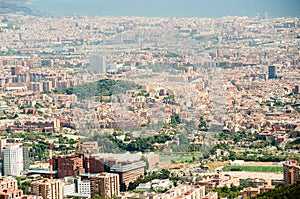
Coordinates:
154	108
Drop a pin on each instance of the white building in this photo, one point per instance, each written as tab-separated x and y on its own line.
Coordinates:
237	162
75	187
84	188
164	184
69	189
156	185
12	156
144	187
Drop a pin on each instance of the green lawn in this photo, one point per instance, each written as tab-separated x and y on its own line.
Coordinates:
176	158
254	168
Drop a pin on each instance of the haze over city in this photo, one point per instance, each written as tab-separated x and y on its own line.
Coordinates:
149	99
174	8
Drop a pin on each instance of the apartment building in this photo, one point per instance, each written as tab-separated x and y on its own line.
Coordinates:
47	188
105	185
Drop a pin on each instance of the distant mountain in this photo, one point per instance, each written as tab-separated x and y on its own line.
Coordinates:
16	6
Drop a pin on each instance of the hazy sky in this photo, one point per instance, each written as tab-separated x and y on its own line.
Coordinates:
171	8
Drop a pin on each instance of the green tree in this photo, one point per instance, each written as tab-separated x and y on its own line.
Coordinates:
123	187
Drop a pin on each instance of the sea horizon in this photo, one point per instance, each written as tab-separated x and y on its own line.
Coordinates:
167	8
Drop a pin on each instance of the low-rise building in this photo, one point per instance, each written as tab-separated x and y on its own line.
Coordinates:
129	172
156	185
218	180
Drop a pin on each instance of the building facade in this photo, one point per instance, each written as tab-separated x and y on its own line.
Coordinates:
129	172
47	188
105	185
12	160
9	188
68	165
291	172
272	72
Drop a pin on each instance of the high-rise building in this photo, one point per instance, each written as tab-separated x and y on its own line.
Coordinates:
83	187
47	188
2	143
96	165
105	185
272	72
291	172
296	90
26	159
12	159
97	64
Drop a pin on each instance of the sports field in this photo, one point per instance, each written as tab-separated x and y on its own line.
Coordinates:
254	168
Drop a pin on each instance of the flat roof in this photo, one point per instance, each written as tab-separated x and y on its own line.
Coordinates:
40	171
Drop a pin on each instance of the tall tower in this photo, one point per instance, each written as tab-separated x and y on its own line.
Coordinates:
272	72
97	64
12	157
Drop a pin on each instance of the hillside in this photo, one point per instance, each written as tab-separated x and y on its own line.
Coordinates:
281	192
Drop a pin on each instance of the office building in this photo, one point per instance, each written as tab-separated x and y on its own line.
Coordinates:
75	187
26	159
96	165
12	160
47	188
84	188
105	185
272	72
129	172
68	165
97	64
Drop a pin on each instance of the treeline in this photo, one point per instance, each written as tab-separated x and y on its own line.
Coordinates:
265	158
142	144
102	89
281	192
163	174
230	193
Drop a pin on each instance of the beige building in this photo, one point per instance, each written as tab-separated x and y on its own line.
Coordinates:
105	185
47	188
181	191
129	172
9	188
